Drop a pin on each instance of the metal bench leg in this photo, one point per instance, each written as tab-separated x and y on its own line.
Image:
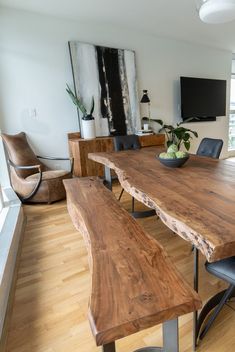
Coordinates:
110	347
170	339
108	177
171	336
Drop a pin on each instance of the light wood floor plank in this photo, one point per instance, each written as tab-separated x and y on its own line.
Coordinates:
50	307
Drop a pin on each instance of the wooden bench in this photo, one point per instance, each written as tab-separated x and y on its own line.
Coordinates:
134	283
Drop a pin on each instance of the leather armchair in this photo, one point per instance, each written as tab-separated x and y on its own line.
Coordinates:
31	179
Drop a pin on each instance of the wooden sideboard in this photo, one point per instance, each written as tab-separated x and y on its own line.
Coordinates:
80	148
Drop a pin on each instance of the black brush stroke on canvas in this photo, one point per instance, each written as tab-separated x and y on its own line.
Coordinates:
111	90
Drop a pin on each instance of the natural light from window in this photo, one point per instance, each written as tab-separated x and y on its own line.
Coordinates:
231	140
1	199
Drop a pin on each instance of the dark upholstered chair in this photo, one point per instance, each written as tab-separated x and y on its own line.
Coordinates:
210	147
126	143
225	270
129	142
32	180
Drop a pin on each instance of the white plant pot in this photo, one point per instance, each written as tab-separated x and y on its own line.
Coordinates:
88	129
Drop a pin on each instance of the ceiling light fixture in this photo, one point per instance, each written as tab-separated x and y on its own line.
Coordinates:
216	11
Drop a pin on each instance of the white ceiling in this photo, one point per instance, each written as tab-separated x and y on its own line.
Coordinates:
169	18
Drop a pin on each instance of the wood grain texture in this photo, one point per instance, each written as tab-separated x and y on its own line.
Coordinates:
134	283
152	140
53	287
74	135
80	148
196	201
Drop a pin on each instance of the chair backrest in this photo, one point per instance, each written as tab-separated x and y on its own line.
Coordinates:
126	142
20	153
210	147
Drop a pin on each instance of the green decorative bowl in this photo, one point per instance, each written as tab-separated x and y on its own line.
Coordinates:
173	162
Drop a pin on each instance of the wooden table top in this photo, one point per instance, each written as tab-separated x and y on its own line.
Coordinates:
196	201
134	283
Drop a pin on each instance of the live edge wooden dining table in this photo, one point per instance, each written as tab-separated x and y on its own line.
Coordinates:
196	201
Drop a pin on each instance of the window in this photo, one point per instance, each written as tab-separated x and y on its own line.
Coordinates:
4	184
231	141
1	199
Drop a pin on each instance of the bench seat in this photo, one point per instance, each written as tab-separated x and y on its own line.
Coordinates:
134	284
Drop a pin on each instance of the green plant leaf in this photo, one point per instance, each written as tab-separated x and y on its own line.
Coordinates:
187	145
168	143
92	106
76	100
186	136
194	133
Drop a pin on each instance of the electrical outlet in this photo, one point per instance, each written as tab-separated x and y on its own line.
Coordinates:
33	113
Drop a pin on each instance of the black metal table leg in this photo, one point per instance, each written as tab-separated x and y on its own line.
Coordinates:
135	214
195	285
110	347
217	302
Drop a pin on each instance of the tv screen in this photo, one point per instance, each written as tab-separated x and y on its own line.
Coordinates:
204	99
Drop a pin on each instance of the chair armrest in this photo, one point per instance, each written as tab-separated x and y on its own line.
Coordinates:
28	167
52	158
57	158
24	167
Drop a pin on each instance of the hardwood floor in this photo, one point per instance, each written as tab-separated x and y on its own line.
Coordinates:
50	307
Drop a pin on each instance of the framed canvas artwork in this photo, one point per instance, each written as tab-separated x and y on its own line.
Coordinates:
108	75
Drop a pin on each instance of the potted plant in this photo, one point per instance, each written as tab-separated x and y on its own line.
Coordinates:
177	135
88	121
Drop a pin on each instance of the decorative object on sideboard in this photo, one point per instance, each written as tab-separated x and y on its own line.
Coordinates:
145	100
88	121
109	75
216	11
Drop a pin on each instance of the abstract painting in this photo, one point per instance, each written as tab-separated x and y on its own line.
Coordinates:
108	75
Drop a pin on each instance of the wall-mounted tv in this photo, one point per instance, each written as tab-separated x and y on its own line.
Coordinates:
202	99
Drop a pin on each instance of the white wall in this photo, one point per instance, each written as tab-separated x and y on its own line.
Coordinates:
35	67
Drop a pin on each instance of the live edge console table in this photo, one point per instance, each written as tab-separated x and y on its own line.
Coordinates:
80	148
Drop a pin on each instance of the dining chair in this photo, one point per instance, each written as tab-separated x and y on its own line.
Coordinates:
131	142
210	147
223	269
31	179
127	142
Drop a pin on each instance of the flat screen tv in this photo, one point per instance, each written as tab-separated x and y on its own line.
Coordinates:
202	99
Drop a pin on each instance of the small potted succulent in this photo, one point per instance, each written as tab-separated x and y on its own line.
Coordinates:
88	121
